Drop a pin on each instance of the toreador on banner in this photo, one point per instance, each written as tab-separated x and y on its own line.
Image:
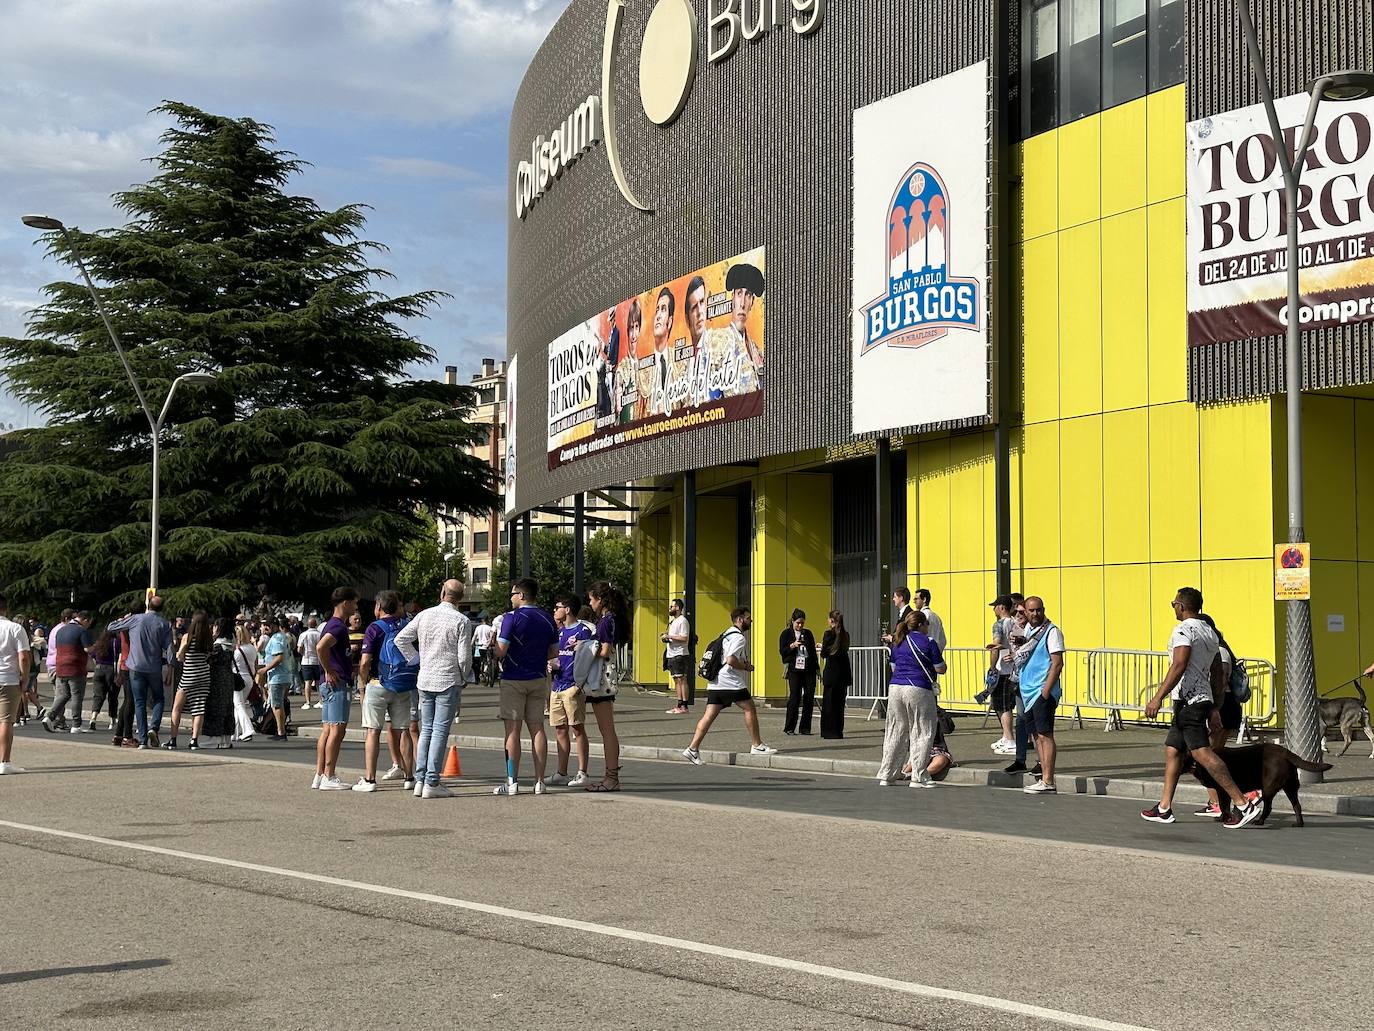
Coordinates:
685	354
509	455
1238	236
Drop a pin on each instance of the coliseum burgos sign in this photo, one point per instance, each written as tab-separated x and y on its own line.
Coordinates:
667	70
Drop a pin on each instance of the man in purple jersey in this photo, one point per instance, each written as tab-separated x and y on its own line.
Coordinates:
527	642
336	690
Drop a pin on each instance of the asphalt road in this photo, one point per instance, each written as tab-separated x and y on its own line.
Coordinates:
161	889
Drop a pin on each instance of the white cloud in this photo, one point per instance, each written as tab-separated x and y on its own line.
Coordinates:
421	168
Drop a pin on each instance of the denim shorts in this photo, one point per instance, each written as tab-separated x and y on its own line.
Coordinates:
276	693
335	701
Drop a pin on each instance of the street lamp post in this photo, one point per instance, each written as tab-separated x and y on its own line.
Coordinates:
448	557
1300	675
49	224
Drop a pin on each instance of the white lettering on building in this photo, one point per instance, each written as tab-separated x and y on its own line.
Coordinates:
730	21
548	157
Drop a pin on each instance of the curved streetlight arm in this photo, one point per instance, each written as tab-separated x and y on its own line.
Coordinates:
109	327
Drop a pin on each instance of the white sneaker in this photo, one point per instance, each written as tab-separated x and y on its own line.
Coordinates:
762	750
1039	788
690	754
510	787
395	773
539	788
365	785
333	784
419	789
1002	744
315	784
556	780
306	705
75	730
11	768
921	782
883	783
436	791
579	780
409	785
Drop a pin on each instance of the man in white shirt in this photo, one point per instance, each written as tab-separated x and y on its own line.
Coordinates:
310	662
482	637
441	638
675	648
731	687
935	627
15	657
1195	662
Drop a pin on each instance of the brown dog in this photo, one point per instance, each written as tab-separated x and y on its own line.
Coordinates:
1266	768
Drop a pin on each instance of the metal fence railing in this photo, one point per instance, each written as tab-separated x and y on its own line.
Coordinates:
1123	681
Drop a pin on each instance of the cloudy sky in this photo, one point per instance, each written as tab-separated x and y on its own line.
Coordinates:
399	104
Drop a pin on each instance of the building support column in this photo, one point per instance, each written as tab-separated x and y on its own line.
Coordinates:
525	544
1000	336
689	573
579	544
883	475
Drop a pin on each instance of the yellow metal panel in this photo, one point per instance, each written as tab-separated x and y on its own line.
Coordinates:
810	544
1237	506
1126	487
1365	572
1168	303
1124	589
1041	474
1329	477
1082	610
967	503
1239	595
1335	592
770	536
1080	313
717	547
988	469
1039	186
1167	121
1123	155
933	504
1040	341
1047	584
1080	496
1364	482
1175	524
1125	343
1165	580
965	612
1080	172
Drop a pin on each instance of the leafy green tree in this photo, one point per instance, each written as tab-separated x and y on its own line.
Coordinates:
496	595
610	555
303	467
421	567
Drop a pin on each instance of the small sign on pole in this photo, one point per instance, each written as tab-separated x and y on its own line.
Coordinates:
1292	572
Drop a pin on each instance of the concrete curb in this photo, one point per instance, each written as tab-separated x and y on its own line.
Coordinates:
1112	787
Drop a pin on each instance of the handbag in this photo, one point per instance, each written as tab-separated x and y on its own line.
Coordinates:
945	720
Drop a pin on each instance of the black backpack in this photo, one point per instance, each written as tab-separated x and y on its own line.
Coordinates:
713	658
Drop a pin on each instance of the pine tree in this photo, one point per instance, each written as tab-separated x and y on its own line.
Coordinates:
313	459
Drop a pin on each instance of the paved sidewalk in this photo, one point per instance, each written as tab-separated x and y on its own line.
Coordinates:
1126	763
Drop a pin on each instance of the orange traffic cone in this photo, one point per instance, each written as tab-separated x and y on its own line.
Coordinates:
452	767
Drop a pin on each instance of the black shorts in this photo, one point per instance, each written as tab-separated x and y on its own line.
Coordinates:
676	665
1040	716
725	699
1231	715
1189	730
1003	697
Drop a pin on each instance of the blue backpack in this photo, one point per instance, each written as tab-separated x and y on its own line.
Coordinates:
396	673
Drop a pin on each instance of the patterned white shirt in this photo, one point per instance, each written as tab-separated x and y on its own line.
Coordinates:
441	638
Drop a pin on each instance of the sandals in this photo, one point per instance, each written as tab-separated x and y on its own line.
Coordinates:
611	782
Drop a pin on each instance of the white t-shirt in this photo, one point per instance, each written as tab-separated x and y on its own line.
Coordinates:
483	635
246	664
677	627
935	629
1196	685
309	641
735	644
13	640
1001	636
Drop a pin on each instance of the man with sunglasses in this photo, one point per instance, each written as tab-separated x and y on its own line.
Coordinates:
526	643
1194	668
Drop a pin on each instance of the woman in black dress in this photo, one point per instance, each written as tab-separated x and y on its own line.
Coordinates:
797	646
837	678
224	681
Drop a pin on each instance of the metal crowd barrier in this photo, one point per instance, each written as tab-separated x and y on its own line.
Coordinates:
1124	681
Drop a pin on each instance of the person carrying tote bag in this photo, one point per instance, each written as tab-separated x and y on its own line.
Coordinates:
912	715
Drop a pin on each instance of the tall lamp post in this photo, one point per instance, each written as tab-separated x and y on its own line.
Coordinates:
448	557
48	224
1300	674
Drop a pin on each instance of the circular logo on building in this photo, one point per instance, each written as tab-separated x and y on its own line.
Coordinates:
668	60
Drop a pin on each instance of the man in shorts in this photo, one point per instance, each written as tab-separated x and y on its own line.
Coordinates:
568	702
1194	668
15	657
1002	697
676	644
391	697
731	687
527	642
336	691
1039	661
276	668
310	661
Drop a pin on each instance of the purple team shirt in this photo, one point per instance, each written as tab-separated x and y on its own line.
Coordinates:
338	651
527	632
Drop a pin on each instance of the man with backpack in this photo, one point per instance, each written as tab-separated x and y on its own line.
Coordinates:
725	666
390	697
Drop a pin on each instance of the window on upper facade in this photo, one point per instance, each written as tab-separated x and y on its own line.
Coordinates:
1168	27
479	542
1080	73
1124	51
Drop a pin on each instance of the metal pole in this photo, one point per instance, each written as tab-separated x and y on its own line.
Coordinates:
689	573
525	544
1303	733
579	543
1001	313
882	469
152	551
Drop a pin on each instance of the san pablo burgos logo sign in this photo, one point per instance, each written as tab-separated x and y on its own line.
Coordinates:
923	300
667	70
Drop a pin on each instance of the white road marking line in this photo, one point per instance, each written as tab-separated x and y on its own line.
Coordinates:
989	1002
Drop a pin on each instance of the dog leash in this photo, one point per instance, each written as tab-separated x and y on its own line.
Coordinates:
1349	683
